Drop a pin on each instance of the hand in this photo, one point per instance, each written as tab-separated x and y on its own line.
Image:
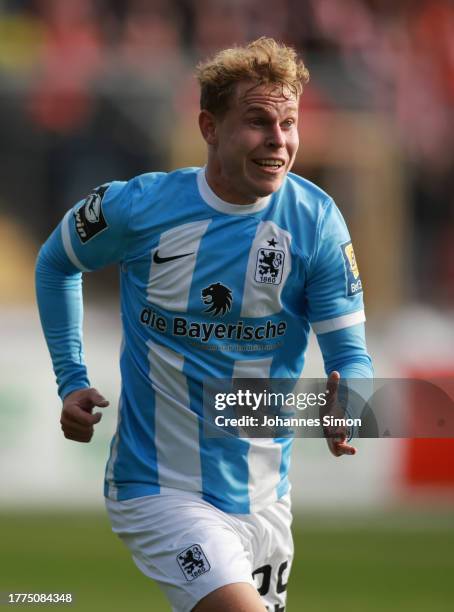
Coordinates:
77	420
336	437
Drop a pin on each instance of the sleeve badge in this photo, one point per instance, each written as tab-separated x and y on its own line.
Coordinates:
353	280
89	218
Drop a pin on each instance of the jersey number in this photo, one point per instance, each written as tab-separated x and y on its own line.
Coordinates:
266	572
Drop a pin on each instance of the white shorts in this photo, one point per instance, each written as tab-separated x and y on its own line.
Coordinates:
190	547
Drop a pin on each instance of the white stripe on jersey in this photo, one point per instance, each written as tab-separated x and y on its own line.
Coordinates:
170	281
330	325
66	238
261	299
176	426
265	455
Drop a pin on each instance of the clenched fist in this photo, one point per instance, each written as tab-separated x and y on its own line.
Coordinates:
77	418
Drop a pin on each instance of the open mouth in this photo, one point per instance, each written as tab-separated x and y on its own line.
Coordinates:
269	163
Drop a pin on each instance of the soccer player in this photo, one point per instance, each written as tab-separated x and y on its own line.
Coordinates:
224	270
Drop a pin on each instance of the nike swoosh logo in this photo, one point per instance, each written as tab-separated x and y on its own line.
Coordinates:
160	260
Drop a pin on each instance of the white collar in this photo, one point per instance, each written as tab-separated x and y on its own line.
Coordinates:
208	195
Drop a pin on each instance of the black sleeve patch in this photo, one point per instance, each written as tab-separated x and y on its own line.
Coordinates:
89	218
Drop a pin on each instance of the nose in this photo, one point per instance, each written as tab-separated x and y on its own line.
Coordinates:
275	138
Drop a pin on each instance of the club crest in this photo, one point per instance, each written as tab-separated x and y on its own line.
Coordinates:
269	266
193	562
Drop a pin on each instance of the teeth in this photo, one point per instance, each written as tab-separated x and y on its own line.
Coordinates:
275	163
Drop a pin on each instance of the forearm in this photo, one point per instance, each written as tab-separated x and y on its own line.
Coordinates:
59	297
345	351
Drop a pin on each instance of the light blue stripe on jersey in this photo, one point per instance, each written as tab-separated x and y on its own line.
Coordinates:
132	470
225	482
134	475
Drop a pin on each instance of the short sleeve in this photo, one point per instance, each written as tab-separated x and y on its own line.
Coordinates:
333	289
94	232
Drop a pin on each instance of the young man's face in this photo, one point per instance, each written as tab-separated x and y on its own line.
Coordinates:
255	143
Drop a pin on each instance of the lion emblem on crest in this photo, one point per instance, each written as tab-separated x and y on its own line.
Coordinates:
218	298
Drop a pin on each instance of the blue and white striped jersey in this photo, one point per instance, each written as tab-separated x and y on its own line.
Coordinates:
208	289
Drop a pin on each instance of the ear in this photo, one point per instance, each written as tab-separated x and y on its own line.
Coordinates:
208	127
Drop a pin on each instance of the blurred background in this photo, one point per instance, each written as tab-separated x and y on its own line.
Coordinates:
97	90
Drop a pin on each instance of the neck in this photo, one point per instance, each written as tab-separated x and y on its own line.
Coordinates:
218	183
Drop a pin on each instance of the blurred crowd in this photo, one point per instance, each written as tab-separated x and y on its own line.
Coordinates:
90	90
